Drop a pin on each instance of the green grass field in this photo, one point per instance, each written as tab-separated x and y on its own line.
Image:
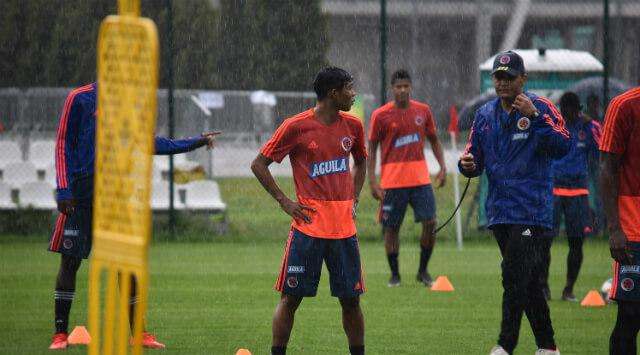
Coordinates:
215	297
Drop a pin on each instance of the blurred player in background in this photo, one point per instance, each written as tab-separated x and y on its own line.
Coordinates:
570	190
620	187
319	143
400	128
72	236
514	138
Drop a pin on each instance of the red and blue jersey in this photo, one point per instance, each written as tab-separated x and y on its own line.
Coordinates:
570	173
75	142
516	153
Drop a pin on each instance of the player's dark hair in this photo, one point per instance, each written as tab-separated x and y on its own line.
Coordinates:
570	100
400	74
330	78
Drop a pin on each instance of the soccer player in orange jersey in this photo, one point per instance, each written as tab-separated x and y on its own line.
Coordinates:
400	128
320	142
620	187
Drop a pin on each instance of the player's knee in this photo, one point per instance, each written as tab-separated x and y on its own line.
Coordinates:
429	224
290	303
70	264
350	304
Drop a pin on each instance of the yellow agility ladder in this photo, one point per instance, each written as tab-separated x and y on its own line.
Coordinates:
126	113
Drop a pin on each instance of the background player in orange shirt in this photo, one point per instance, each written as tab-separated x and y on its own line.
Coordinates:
319	143
400	128
620	187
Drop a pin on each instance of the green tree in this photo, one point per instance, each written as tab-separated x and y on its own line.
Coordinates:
273	45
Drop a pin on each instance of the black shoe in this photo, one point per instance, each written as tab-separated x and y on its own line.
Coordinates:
567	295
547	293
394	281
425	278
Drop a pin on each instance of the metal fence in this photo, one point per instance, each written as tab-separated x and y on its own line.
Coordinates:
32	115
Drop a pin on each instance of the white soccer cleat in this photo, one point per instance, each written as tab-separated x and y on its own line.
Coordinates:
547	352
498	350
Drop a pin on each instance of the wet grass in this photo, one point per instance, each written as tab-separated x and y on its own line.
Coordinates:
212	298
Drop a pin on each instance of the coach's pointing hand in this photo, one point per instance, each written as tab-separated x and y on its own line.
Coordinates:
210	138
467	163
296	210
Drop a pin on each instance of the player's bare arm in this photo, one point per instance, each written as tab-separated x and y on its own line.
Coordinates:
260	168
441	177
609	185
359	173
376	191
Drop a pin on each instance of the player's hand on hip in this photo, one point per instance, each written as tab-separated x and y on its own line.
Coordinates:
377	192
211	138
524	105
441	177
297	210
66	206
467	163
618	247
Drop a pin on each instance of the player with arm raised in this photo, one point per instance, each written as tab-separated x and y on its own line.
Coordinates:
74	161
400	128
319	143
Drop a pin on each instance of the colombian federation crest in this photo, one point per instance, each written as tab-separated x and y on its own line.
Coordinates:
524	123
346	143
627	284
419	120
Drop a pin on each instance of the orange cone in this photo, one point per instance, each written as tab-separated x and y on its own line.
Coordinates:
593	299
79	335
442	284
243	352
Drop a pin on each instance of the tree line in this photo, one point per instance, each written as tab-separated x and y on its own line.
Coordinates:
225	44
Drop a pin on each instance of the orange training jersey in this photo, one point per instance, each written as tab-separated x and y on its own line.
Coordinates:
401	133
622	136
319	157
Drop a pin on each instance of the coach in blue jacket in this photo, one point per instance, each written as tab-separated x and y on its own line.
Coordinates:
514	139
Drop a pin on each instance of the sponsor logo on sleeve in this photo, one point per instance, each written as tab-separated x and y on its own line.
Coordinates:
419	120
71	232
328	167
406	140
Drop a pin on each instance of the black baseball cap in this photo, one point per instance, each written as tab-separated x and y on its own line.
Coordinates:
509	62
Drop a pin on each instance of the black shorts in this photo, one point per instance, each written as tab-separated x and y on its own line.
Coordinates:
72	233
395	204
626	278
577	215
302	265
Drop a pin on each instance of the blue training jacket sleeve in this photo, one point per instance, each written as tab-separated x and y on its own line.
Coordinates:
167	146
473	147
555	140
66	145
